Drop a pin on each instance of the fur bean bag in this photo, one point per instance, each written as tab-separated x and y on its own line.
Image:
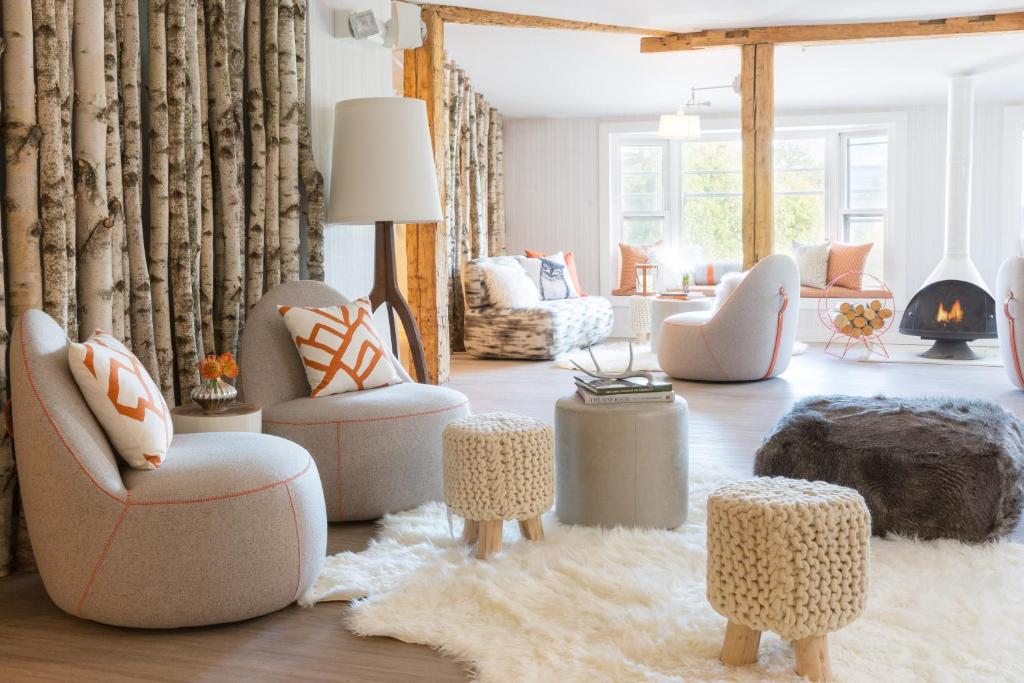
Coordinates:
930	468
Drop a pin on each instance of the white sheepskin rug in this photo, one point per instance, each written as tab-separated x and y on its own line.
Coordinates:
614	356
628	605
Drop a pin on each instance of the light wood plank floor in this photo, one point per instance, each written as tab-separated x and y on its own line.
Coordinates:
38	642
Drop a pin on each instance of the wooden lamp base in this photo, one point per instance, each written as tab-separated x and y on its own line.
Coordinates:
386	291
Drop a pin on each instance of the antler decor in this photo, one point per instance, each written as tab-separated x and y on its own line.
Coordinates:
625	374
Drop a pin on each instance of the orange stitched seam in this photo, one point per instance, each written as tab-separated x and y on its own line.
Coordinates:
711	351
298	543
103	554
35	390
337	439
226	496
1013	338
368	419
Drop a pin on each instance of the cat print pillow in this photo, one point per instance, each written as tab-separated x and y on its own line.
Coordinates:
550	275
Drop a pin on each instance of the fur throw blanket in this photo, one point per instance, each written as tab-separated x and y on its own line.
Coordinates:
931	468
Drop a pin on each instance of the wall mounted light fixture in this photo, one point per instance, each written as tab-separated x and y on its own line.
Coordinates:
405	29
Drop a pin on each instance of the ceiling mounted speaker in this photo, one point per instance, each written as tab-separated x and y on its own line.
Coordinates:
405	30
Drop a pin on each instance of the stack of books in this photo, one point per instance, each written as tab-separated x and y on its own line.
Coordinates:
680	295
631	390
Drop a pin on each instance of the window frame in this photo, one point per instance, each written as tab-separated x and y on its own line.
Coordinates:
893	124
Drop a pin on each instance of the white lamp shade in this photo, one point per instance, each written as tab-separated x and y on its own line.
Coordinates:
679	126
383	163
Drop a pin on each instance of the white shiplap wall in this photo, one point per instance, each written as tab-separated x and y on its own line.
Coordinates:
551	185
340	70
551	190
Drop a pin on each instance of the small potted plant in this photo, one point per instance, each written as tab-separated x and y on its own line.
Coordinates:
215	394
685	284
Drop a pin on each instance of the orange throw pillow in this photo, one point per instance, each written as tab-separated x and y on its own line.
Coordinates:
124	398
846	262
629	256
340	348
570	266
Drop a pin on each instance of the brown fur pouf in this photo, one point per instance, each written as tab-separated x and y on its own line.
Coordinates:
930	468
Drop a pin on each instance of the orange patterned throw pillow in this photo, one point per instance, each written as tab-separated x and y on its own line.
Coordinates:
124	398
340	348
848	261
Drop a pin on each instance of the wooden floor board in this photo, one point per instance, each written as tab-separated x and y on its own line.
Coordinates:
38	642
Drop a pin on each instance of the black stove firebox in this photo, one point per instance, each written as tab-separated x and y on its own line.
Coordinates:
950	313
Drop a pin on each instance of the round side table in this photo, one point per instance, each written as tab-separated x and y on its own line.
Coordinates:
238	417
662	308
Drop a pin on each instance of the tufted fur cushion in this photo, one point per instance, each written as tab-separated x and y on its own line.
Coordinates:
728	285
931	468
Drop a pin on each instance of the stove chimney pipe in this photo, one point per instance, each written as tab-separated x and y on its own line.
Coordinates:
956	263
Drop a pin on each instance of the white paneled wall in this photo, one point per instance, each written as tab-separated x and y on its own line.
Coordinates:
340	70
551	177
551	197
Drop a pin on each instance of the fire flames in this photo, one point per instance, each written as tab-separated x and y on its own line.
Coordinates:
955	314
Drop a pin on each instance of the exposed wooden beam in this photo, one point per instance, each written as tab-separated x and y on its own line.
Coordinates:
835	33
480	17
426	244
757	115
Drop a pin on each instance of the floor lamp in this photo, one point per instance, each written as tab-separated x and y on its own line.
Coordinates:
383	173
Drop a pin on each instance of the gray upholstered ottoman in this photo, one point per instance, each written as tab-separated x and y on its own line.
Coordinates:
621	464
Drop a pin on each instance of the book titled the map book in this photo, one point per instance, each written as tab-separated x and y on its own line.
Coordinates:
612	387
649	397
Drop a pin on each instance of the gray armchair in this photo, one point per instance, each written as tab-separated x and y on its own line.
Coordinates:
230	527
378	450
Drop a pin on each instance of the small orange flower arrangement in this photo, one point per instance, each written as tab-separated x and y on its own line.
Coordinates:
215	367
215	394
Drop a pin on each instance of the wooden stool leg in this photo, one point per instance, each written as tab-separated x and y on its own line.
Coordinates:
470	531
741	645
812	658
490	538
532	529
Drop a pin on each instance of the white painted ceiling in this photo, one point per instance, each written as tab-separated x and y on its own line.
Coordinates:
531	72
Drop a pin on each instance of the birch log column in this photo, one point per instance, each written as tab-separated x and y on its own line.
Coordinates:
254	232
225	136
288	136
53	228
312	178
115	187
21	157
93	224
181	177
140	302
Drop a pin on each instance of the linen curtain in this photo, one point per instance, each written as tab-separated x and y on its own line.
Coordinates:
160	217
475	187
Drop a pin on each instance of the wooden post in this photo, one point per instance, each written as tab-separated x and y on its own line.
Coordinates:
757	113
426	252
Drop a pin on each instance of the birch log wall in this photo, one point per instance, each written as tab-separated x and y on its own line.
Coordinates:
473	182
229	186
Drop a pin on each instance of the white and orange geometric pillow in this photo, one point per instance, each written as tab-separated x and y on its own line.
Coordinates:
340	348
124	398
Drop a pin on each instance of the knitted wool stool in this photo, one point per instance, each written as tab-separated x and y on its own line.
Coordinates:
789	556
498	466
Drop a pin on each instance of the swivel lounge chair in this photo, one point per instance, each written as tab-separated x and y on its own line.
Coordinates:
230	527
745	338
378	450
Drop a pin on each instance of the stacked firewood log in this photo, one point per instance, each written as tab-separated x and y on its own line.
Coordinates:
858	320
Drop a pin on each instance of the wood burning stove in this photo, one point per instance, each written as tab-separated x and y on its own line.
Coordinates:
954	305
950	313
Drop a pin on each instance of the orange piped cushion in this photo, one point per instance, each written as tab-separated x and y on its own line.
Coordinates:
570	267
844	258
340	348
124	398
